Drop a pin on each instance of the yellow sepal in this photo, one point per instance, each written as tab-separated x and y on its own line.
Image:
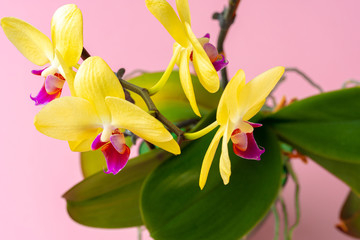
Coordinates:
67	33
32	43
68	118
168	18
94	81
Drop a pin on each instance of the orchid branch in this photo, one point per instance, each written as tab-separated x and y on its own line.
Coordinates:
144	94
226	19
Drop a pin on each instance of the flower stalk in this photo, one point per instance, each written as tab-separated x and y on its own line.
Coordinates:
226	19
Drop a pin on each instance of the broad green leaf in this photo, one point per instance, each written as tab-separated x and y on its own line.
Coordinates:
350	216
326	127
171	100
108	201
174	207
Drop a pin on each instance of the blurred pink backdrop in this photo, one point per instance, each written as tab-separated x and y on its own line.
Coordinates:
320	37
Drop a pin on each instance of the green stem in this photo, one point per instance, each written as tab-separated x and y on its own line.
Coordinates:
286	219
139	230
302	74
144	94
297	197
202	132
277	221
226	19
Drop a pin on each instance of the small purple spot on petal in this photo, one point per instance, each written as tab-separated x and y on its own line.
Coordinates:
43	97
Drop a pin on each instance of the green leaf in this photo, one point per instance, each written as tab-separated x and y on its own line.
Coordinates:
94	161
326	127
108	201
171	100
174	207
350	216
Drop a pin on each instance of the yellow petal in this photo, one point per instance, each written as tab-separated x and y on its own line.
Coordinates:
225	164
209	156
129	116
170	146
228	103
66	72
161	83
94	81
185	79
68	118
253	110
32	43
258	89
82	145
204	68
183	10
168	18
67	33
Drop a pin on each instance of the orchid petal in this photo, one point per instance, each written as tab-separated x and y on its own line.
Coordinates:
209	156
185	79
67	33
97	143
220	63
258	89
211	51
32	43
43	97
53	84
225	164
83	145
254	110
252	151
183	10
118	142
95	81
68	118
66	72
228	100
129	116
205	70
168	18
115	160
171	146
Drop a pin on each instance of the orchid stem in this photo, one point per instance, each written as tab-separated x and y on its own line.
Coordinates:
297	199
286	219
144	94
277	221
202	132
226	19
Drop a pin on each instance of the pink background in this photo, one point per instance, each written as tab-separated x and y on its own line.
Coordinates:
320	37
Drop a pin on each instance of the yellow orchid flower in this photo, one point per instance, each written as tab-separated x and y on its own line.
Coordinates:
239	103
187	48
98	116
62	53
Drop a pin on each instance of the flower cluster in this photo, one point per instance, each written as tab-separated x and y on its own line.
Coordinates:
97	115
